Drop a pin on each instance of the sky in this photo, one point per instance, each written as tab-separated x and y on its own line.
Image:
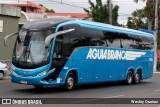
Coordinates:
76	6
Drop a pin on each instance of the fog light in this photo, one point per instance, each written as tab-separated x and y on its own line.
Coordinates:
42	73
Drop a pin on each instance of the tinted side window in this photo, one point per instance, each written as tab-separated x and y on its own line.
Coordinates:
85	41
74	37
144	44
113	43
137	42
127	41
66	50
113	39
92	37
98	42
70	40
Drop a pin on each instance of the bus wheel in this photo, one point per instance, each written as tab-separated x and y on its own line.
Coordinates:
137	78
129	78
38	86
70	82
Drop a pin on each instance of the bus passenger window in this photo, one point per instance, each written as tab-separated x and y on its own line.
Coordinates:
58	49
74	43
114	43
127	43
98	42
85	41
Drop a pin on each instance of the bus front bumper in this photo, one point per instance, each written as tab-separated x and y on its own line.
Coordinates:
36	80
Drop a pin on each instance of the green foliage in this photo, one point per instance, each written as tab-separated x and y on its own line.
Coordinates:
115	15
149	11
41	5
52	11
47	10
138	19
99	12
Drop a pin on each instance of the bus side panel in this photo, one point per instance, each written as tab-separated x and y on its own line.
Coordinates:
148	65
85	67
108	69
96	70
103	71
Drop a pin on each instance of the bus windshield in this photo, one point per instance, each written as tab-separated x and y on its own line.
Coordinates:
30	47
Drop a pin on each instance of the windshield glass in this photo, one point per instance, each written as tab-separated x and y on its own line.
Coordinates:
30	47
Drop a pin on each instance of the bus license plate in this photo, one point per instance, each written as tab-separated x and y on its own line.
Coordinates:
23	82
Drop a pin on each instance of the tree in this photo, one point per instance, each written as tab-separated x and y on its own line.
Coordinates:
115	15
47	10
52	11
99	12
149	12
138	19
41	5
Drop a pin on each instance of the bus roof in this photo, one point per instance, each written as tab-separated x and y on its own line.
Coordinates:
44	23
107	27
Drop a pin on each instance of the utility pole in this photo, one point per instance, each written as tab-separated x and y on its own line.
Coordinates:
156	33
110	11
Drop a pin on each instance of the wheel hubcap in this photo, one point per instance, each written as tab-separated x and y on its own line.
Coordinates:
70	82
136	78
129	78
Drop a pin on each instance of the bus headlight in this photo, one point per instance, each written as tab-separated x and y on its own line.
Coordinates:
42	73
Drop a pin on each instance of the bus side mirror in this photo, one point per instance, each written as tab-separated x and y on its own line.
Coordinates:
50	37
7	37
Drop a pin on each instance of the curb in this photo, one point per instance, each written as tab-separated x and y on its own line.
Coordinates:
156	72
7	77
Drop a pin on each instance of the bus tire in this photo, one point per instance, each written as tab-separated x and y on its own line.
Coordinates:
1	75
137	77
129	79
70	82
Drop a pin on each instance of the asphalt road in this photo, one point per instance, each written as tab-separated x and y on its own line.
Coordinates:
149	88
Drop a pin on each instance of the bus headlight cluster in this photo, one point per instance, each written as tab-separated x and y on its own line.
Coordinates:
42	73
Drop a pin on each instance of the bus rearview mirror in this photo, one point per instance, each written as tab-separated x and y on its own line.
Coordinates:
50	37
7	37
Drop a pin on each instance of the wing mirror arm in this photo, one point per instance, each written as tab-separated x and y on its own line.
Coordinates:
7	37
50	37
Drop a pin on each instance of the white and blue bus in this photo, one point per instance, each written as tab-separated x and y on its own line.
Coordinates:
67	52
